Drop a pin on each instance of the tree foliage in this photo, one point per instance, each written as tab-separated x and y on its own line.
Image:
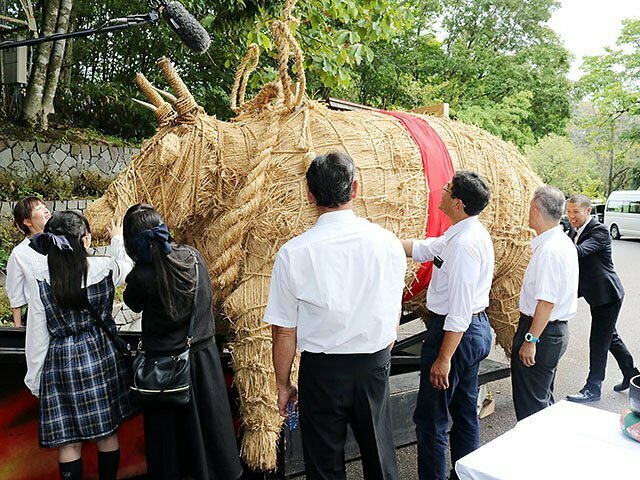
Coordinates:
561	163
496	62
611	84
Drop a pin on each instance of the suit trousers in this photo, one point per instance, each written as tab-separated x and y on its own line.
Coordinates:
603	339
460	400
346	389
533	386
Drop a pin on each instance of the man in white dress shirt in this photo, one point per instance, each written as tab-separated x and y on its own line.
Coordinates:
458	335
548	299
336	292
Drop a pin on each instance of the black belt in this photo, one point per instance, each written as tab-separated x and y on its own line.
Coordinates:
530	318
434	314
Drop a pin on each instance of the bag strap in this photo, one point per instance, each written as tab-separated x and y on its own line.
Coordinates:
192	320
106	329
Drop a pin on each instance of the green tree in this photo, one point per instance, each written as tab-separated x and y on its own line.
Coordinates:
503	49
611	84
559	162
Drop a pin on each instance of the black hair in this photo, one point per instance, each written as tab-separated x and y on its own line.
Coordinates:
472	190
174	271
22	211
330	179
68	268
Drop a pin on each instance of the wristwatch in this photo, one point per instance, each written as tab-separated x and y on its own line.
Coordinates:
531	338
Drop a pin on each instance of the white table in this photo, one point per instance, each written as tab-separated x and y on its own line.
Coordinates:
564	441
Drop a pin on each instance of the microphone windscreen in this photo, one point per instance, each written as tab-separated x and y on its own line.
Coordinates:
192	34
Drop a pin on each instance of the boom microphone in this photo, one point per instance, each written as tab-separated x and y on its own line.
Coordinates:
192	34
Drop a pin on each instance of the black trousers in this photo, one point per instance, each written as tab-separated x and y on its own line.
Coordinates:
533	386
604	339
340	390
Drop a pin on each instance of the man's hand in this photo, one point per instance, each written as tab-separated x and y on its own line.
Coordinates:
528	354
286	394
439	374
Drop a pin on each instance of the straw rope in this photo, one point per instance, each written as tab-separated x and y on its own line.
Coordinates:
235	223
242	77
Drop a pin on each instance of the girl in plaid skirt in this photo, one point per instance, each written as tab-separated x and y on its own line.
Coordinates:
72	365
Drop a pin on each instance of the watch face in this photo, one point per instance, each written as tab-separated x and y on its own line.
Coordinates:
528	337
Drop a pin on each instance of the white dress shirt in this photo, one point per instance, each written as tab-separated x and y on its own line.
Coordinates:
37	338
580	230
460	287
22	265
340	284
552	275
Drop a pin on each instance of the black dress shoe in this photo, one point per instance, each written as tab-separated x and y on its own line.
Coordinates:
584	396
623	385
626	380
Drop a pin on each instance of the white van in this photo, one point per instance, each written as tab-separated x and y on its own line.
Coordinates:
622	215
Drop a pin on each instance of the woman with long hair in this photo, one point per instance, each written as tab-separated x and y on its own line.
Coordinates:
29	216
73	366
195	440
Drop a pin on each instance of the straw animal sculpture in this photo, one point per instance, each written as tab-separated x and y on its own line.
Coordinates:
236	191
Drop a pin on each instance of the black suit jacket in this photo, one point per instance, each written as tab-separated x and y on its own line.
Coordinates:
599	284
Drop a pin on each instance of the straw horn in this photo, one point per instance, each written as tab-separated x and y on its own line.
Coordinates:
146	105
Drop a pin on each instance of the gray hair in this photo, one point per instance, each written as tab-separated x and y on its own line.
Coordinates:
582	200
550	202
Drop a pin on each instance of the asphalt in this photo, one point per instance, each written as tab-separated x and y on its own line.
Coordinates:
573	367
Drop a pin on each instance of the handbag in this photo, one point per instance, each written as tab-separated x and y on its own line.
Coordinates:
164	380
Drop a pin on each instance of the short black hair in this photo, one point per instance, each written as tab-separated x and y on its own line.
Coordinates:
22	211
472	190
330	179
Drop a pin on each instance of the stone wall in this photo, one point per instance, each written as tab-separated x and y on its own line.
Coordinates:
24	159
6	208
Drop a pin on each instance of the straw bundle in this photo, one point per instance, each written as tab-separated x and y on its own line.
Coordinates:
236	191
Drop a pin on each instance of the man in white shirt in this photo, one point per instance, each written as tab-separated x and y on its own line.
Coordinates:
458	335
548	299
336	291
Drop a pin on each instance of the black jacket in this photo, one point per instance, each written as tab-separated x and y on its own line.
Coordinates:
161	332
599	284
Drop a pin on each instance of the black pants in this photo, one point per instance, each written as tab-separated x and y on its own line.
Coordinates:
336	390
533	386
604	339
460	400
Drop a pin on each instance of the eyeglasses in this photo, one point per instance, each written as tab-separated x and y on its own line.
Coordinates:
448	190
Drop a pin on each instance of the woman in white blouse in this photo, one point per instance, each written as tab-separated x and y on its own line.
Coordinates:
29	215
73	365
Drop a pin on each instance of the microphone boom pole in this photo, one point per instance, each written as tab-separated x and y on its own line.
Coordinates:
122	23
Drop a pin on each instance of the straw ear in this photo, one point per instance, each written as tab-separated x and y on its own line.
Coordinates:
149	91
161	109
185	103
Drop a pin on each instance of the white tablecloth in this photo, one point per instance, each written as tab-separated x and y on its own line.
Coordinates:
564	441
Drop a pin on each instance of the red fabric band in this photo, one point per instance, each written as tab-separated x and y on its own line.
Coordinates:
438	170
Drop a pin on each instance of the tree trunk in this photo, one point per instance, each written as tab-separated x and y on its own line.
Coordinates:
66	72
32	110
611	154
55	63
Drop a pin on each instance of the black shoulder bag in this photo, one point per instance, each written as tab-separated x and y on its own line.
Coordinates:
164	380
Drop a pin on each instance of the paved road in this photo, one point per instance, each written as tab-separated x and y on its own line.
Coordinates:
573	368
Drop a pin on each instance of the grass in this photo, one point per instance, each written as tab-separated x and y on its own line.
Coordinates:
61	133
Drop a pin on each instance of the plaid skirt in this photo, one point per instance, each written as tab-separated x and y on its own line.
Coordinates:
84	387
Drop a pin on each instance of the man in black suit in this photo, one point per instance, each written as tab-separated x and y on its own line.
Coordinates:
601	288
